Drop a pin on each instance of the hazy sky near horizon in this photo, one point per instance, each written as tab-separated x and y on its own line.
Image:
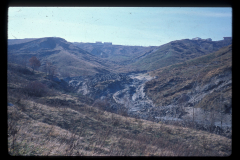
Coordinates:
145	26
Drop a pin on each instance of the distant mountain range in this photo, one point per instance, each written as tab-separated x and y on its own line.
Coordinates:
91	58
117	53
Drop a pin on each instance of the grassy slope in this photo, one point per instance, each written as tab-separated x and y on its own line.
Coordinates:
65	56
183	75
75	128
176	52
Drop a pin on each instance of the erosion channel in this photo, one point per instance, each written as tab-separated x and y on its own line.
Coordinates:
127	91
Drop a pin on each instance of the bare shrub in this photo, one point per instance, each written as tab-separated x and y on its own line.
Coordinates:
36	88
140	123
101	104
204	142
34	63
114	120
169	131
18	97
127	125
123	111
24	71
143	138
149	128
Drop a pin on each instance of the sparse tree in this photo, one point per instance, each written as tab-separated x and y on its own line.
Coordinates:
49	68
45	68
34	63
52	70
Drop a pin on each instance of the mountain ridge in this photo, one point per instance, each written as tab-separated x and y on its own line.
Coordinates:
178	51
58	50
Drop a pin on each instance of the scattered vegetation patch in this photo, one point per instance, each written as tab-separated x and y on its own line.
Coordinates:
36	88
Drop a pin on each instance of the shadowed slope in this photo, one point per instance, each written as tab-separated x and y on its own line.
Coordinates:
176	52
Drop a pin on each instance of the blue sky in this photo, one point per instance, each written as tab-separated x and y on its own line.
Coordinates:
145	26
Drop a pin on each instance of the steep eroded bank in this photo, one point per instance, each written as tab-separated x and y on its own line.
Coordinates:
129	91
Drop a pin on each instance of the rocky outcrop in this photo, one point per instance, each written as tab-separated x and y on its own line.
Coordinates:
99	85
120	89
129	91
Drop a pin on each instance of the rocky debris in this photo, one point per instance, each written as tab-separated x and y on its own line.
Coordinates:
118	88
100	84
128	90
107	77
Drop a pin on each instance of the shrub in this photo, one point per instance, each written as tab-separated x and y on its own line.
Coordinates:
34	63
36	88
101	104
24	71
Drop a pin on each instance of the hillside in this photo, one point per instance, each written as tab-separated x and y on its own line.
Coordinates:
176	52
57	122
191	74
203	83
67	57
120	54
82	59
181	92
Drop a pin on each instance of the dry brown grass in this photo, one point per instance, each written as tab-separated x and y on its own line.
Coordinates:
50	131
38	127
180	78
